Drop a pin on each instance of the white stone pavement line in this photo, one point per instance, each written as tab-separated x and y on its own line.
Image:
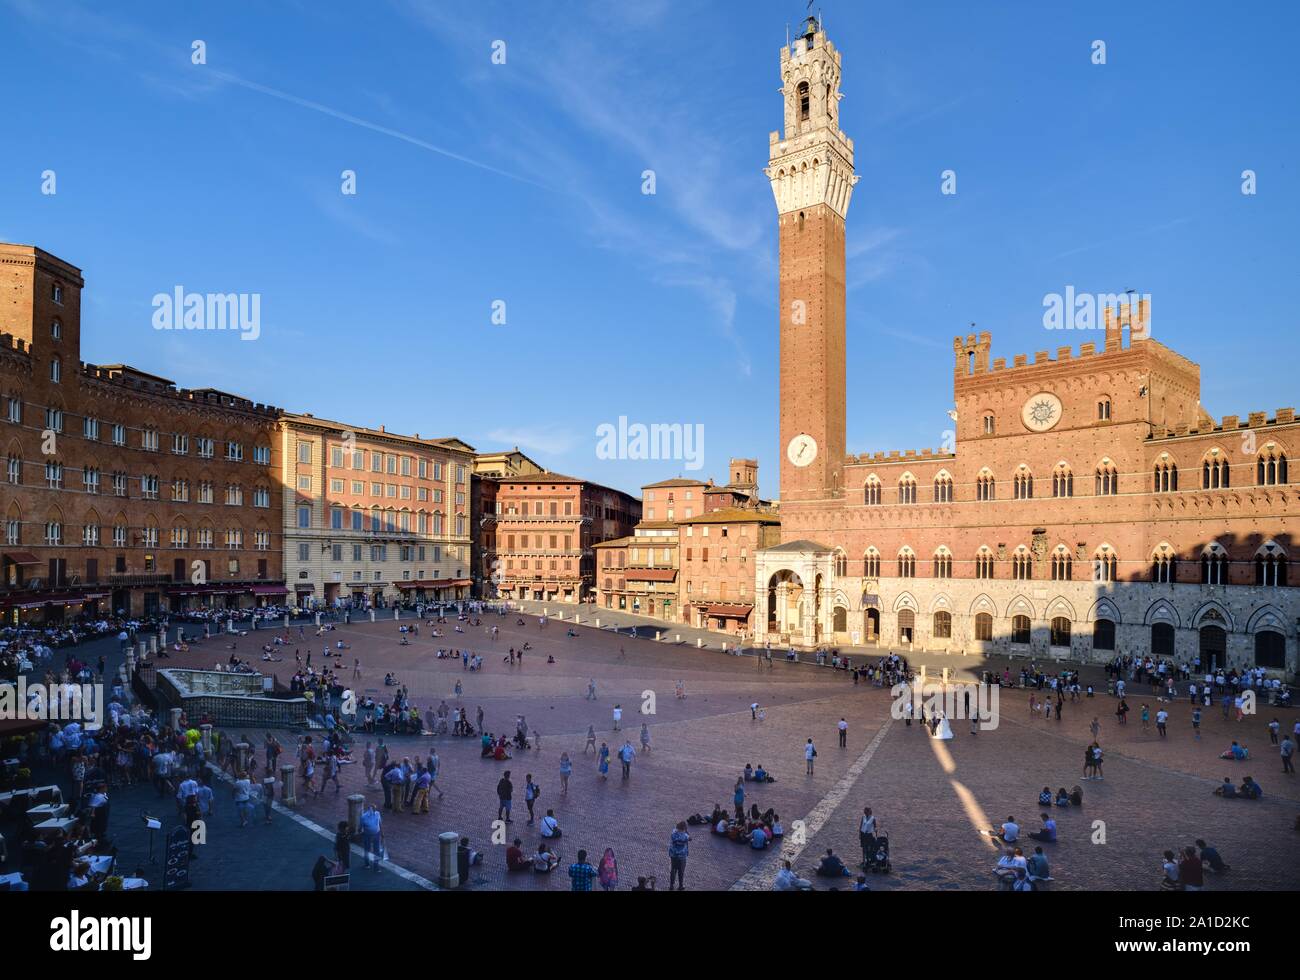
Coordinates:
316	828
762	875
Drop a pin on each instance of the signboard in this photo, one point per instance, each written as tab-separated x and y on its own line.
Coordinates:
177	864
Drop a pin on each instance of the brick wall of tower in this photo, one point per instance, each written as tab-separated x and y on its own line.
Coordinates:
812	384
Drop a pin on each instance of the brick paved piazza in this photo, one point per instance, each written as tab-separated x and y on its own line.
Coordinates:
929	795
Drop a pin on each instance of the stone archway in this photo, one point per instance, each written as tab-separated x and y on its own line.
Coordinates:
787	603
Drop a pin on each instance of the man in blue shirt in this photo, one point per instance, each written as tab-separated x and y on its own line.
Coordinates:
581	873
372	835
1048	834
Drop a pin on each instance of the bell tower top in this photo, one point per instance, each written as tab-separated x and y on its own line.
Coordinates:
811	161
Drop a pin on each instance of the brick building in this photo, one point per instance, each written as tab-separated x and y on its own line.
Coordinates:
122	490
690	559
718	554
546	527
489	469
1090	505
373	517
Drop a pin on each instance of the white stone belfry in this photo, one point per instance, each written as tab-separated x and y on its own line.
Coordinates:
812	161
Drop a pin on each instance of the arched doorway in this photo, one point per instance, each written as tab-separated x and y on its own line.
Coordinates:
1270	650
1214	646
1162	640
906	625
840	620
872	623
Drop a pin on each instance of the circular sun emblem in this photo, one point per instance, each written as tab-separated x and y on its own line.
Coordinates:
1041	412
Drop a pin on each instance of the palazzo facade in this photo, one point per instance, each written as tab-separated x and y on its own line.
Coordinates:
1088	504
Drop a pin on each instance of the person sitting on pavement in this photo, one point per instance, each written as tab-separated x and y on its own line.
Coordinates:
545	860
832	867
1210	859
1226	789
1249	789
1236	752
788	881
1062	797
550	827
1048	834
1037	865
515	859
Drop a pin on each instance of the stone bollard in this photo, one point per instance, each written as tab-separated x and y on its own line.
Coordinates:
230	625
205	739
143	654
245	755
677	638
287	779
372	615
356	803
286	620
448	873
395	613
699	643
318	620
180	634
130	663
597	624
921	674
658	634
945	677
153	643
176	719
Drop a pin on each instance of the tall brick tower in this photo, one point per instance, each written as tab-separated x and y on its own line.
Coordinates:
811	170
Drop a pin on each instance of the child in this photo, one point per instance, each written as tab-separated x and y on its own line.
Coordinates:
1045	797
1062	797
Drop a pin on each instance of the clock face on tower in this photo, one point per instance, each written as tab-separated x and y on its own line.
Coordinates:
802	450
1041	412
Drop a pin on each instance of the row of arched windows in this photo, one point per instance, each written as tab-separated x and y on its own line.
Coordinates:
1270	470
1269	563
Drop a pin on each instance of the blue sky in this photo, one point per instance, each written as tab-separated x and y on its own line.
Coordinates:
521	182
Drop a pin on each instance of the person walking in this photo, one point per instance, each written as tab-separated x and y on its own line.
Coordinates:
844	733
591	739
645	737
1287	750
618	716
625	755
505	792
809	754
566	770
678	850
1162	721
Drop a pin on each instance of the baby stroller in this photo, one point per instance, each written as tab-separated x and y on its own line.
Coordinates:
878	863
